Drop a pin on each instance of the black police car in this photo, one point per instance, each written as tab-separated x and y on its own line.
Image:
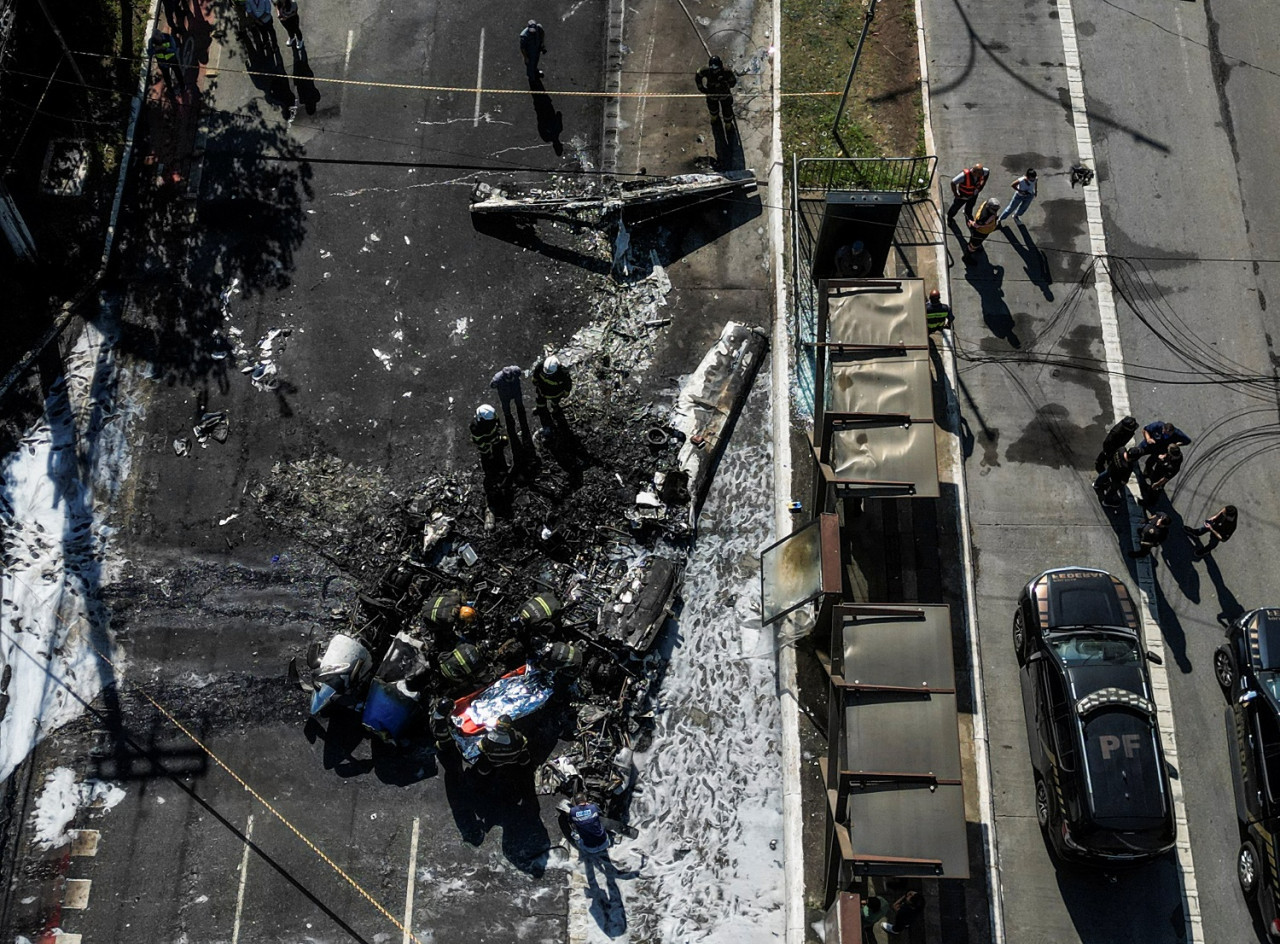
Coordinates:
1102	791
1248	669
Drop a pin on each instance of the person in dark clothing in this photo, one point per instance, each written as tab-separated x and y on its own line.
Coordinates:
589	824
1117	438
1219	527
507	383
1151	535
853	261
460	665
440	724
938	314
486	433
448	610
1111	483
533	43
1156	436
904	912
1159	470
503	744
716	82
551	384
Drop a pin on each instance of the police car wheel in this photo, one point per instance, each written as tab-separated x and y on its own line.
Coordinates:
1247	868
1224	668
1042	804
1019	635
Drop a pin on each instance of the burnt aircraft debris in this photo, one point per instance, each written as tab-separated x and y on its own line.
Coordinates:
591	202
519	619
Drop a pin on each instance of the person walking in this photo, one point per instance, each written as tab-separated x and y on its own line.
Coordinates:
1024	191
904	912
1111	482
1151	535
937	313
1158	435
287	10
984	224
1117	438
1159	470
965	187
716	82
1219	527
507	383
533	43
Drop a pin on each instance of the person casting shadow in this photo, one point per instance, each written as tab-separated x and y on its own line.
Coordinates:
1034	262
308	94
986	280
550	121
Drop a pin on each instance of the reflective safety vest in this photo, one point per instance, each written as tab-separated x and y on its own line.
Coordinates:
164	47
937	316
552	387
565	657
972	183
539	610
461	663
504	747
487	435
444	608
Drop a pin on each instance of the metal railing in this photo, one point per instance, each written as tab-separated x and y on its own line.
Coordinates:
912	176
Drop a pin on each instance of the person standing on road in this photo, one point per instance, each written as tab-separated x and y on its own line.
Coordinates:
965	187
164	48
1158	435
259	14
984	224
1110	484
937	313
1117	438
288	13
1159	470
507	383
486	433
716	82
1024	191
533	43
1151	535
1219	527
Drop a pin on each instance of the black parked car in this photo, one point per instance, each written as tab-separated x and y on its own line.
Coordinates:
1102	790
1248	669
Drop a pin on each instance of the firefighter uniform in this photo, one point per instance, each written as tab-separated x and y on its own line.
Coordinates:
540	611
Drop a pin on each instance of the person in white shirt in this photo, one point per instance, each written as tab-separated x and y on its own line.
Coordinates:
1024	191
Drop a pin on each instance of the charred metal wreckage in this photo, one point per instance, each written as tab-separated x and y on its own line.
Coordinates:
537	597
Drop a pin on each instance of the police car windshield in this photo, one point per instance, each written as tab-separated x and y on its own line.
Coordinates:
1084	648
1270	681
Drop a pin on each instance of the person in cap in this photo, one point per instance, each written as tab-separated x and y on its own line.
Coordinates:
503	744
533	43
984	224
441	723
852	260
716	82
486	434
1024	191
449	611
937	313
551	384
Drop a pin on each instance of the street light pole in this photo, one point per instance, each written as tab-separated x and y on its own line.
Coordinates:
857	54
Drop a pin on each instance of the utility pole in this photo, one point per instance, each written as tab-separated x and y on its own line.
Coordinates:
857	54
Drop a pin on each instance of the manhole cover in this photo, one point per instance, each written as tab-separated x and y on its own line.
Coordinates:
66	164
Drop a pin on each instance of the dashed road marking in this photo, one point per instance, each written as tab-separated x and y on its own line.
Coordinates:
75	896
244	871
413	869
84	842
479	80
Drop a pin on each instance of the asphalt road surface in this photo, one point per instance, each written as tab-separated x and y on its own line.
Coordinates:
1178	102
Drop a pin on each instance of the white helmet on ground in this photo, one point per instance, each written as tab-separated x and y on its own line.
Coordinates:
485	412
551	364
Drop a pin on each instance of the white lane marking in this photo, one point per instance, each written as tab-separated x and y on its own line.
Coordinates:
794	923
642	100
408	892
346	59
479	80
1120	402
981	735
244	871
